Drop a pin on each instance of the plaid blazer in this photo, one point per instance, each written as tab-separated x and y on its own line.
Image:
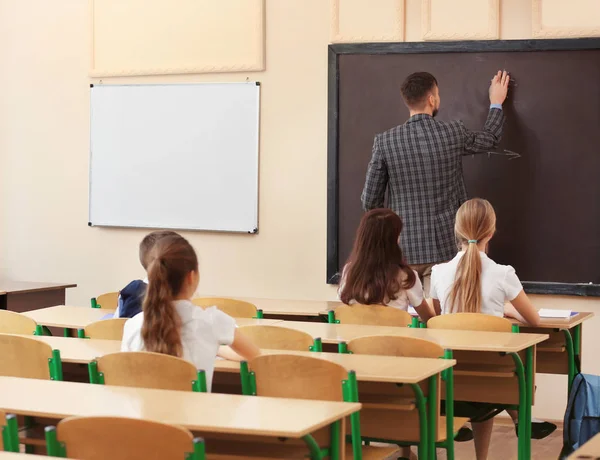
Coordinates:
420	163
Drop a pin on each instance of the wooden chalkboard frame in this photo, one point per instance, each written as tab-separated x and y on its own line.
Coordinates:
484	46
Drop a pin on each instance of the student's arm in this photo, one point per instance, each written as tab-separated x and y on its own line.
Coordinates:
226	352
243	346
373	194
523	310
489	138
424	311
437	307
433	291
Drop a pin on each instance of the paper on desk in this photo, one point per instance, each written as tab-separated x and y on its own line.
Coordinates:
547	313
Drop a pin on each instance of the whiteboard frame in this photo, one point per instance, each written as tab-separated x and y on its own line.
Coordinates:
252	231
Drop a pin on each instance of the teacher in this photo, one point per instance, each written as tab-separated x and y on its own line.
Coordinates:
420	163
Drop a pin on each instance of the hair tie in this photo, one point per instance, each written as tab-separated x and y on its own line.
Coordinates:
472	241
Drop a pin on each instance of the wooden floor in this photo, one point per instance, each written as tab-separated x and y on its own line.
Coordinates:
504	446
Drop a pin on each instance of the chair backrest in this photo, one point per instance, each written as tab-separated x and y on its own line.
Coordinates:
278	338
96	438
107	329
384	345
147	370
24	357
374	315
109	300
298	377
16	323
470	322
234	308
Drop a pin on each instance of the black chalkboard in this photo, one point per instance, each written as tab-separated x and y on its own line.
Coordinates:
547	201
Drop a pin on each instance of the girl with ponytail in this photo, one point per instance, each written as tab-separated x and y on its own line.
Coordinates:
474	283
170	323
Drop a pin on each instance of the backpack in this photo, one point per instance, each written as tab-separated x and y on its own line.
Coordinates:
132	297
582	417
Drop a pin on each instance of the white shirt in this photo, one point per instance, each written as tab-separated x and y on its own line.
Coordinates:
202	332
499	284
404	297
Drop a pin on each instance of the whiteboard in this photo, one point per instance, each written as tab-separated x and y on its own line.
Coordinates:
175	156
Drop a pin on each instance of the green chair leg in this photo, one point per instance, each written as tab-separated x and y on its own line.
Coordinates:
199	385
53	446
317	345
331	317
199	449
10	434
80	334
449	408
55	366
259	314
433	414
39	330
570	359
529	390
94	303
335	440
414	322
342	347
522	383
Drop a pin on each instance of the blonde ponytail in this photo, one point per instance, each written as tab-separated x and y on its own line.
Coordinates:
172	260
475	221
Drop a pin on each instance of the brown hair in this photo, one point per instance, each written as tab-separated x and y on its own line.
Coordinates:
475	221
171	261
371	273
416	87
148	243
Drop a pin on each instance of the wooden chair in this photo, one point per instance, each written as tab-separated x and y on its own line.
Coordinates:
280	338
109	300
303	377
483	376
16	323
470	322
234	308
142	369
389	412
106	329
373	315
29	358
97	438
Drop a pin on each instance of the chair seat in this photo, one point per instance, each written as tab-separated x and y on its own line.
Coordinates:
484	370
383	401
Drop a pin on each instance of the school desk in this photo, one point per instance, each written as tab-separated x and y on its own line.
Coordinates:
470	388
561	354
16	456
379	369
589	451
204	412
79	317
23	296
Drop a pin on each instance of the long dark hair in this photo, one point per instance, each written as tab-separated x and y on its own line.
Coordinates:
371	273
170	261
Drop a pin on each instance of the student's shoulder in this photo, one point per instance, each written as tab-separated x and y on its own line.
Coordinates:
133	325
492	265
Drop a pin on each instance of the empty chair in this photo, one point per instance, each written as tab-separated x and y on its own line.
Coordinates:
117	438
470	322
388	410
147	370
234	308
278	338
305	377
109	300
106	329
29	358
374	315
16	323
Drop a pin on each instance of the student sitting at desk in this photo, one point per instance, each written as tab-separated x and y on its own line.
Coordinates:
376	273
170	323
474	283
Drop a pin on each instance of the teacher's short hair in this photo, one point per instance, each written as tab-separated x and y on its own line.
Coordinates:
147	244
416	87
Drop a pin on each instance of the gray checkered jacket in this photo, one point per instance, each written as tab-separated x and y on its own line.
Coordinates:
420	163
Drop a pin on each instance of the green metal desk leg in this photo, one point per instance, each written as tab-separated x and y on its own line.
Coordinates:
423	426
432	415
313	446
522	381
570	358
449	408
529	383
577	346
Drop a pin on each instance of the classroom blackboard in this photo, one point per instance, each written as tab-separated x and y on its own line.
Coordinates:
547	200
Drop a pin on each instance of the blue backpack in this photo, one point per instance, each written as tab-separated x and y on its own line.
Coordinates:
582	417
132	297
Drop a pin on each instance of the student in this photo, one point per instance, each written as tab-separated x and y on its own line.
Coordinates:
170	323
132	295
474	283
376	273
